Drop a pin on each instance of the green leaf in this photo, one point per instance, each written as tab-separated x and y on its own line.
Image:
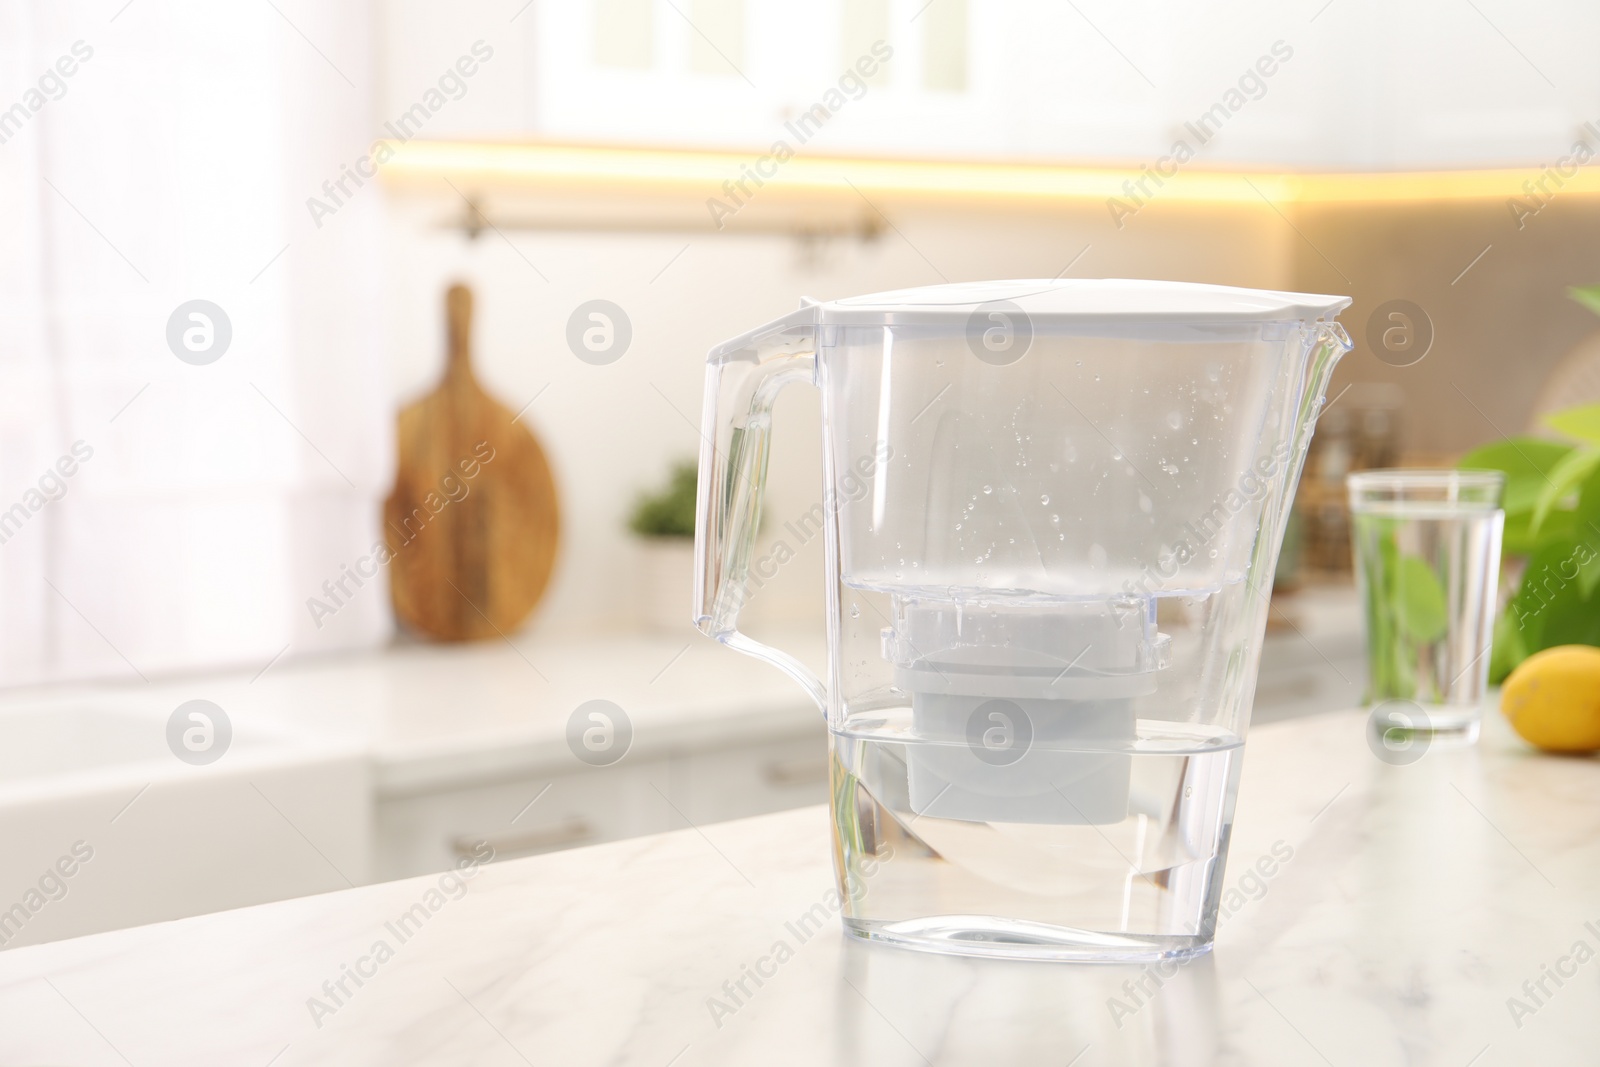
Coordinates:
1388	666
1550	580
1587	513
1527	462
1586	534
1570	471
1587	295
1420	603
1553	606
1558	600
1582	422
1510	649
1588	572
1573	620
1520	540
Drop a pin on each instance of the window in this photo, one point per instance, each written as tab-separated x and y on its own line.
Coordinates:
717	43
624	33
944	45
861	23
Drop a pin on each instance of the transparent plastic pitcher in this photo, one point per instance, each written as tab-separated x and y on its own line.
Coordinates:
1051	515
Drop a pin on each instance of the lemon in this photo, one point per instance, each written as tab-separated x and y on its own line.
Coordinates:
1553	699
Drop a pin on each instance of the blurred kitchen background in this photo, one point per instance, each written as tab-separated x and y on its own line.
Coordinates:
323	173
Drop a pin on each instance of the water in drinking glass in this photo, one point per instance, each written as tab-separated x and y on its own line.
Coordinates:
1427	556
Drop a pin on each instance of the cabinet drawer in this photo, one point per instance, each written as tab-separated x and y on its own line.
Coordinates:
755	779
422	832
427	832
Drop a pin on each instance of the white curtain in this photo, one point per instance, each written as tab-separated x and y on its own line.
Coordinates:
173	164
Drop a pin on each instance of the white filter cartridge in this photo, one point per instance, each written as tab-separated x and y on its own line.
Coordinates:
1026	711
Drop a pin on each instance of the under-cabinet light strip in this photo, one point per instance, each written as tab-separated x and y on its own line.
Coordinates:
731	175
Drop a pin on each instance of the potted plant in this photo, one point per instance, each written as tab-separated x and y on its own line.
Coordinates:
663	523
1552	505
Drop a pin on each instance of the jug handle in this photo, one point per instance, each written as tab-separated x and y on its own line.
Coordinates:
733	477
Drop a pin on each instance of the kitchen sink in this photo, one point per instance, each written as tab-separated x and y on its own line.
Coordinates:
93	789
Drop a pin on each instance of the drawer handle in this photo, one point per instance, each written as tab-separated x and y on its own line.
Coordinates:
572	832
807	771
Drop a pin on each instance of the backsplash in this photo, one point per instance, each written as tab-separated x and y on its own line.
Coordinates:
683	293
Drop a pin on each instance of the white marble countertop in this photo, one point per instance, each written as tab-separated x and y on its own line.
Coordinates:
431	715
1417	901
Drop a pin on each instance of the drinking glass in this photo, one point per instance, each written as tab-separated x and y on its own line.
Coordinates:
1427	556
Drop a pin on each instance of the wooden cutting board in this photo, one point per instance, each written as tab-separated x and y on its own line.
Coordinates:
472	523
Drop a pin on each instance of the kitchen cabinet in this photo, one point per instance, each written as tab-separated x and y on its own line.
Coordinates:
553	807
522	816
1344	85
735	783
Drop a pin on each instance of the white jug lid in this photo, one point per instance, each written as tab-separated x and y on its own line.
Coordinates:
1071	303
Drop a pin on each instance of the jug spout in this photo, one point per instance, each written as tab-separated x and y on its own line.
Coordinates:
1328	342
1333	332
